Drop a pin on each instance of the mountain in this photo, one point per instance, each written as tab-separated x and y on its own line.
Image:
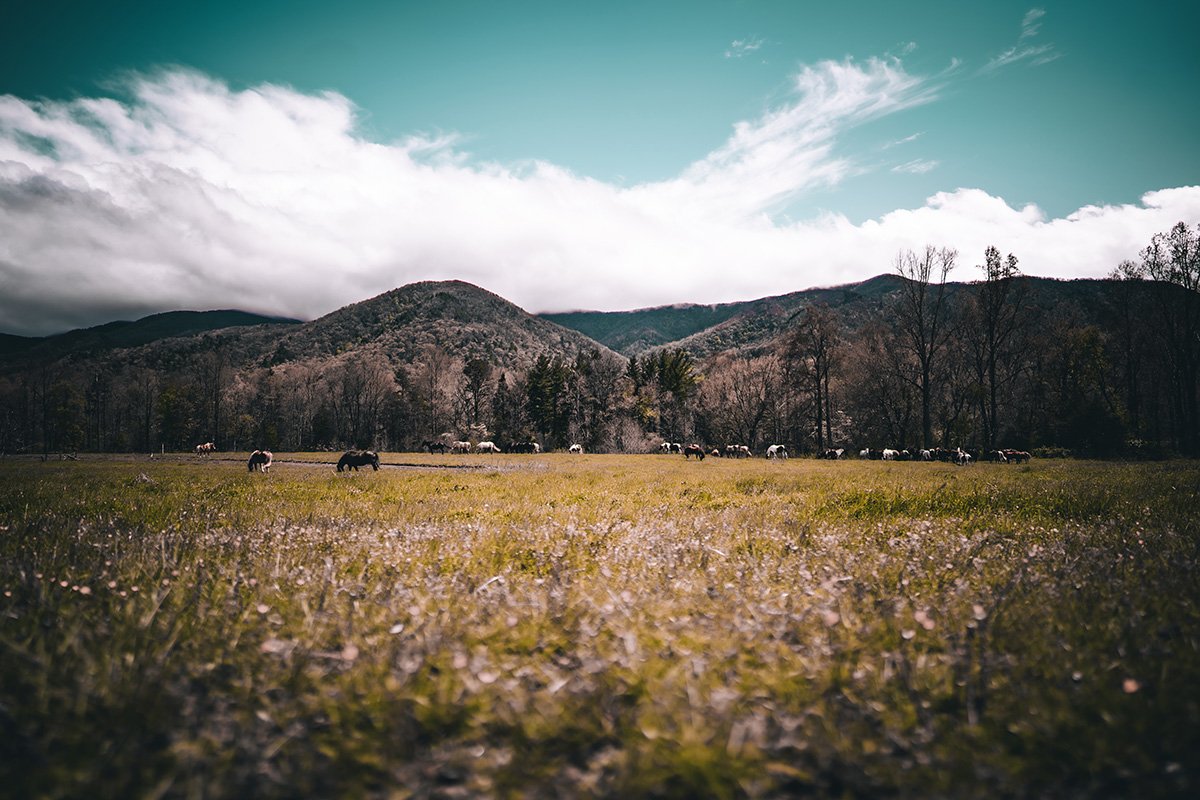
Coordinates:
469	322
706	330
126	334
458	317
464	320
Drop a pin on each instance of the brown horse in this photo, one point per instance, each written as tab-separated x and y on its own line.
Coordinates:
260	460
353	459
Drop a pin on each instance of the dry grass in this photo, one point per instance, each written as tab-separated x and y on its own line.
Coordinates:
598	626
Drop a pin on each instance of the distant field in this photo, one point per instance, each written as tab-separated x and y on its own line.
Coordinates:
625	626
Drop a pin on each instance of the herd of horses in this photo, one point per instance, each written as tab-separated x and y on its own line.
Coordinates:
260	460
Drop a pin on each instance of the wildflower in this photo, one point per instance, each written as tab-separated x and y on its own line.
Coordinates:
1130	686
85	590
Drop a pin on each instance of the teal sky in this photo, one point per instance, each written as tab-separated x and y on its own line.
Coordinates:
634	91
291	156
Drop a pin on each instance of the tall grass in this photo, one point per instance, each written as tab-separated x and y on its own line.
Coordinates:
599	626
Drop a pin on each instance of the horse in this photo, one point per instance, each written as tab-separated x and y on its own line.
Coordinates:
460	447
1017	456
260	460
525	447
487	447
433	446
962	458
777	451
575	448
831	454
737	451
205	449
889	454
353	459
693	450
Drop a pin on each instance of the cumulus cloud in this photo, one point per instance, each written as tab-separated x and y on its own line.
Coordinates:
188	194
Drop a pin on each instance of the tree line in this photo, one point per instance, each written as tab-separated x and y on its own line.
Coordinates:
980	364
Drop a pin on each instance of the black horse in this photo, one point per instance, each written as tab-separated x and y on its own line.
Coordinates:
353	459
434	447
259	460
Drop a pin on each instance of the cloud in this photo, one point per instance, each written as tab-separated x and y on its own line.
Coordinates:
1025	49
918	166
188	194
740	48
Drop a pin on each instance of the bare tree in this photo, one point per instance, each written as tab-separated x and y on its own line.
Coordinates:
738	395
922	316
992	323
1172	260
811	350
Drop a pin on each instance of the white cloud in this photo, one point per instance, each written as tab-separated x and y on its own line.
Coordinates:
192	195
918	166
1024	49
740	48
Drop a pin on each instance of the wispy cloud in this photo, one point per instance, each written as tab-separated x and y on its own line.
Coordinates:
190	194
918	166
1025	49
740	48
905	140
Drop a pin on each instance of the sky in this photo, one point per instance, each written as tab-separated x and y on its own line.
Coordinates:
292	157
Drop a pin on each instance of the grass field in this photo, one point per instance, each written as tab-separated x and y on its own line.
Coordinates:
617	626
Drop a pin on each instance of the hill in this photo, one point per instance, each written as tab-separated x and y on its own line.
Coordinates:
456	316
124	334
706	330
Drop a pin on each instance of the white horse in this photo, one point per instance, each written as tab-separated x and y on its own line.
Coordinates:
890	454
575	448
460	447
777	451
487	447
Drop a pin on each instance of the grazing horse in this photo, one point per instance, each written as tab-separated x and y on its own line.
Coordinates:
889	454
460	447
777	451
1017	456
575	448
433	446
353	459
716	452
260	460
665	447
487	447
693	450
962	458
832	454
205	449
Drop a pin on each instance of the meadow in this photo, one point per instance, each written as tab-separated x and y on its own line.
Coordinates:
598	626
